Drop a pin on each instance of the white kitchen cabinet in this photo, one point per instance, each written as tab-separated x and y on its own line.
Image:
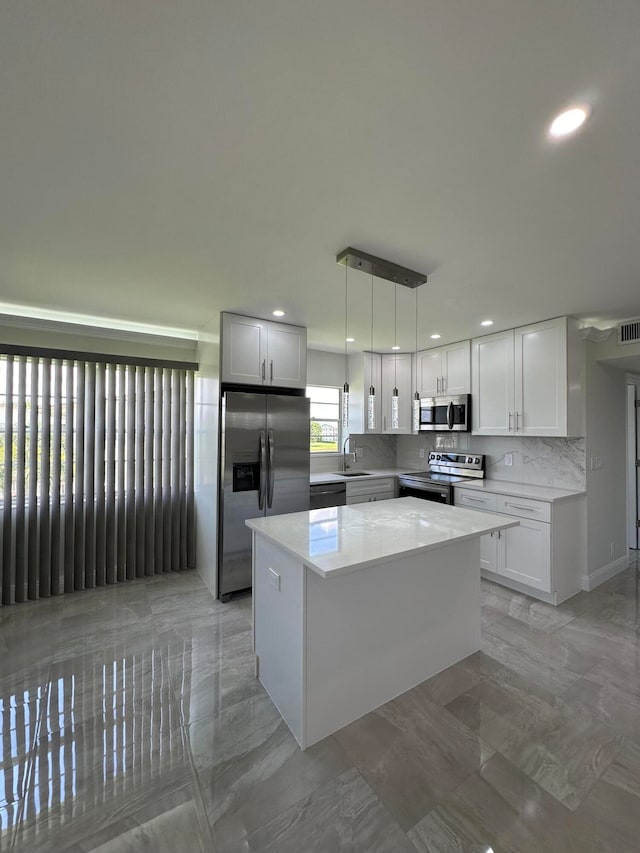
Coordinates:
396	373
527	381
492	384
371	489
445	370
365	370
540	556
524	554
259	352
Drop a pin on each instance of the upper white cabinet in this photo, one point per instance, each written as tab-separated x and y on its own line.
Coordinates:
527	381
365	370
396	373
492	403
445	370
259	352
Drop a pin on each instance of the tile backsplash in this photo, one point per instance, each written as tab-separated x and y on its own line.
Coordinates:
558	462
378	451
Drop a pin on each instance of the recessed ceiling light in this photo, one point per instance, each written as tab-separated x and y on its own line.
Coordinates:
395	347
350	340
278	313
487	323
435	337
569	121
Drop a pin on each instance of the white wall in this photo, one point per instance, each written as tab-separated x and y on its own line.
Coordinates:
207	388
606	486
325	368
28	332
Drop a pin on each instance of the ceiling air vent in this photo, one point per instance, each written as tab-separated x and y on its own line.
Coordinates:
629	332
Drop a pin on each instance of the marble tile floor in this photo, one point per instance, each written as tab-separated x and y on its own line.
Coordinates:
132	721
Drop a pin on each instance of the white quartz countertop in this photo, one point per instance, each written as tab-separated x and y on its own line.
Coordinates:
367	474
341	539
519	490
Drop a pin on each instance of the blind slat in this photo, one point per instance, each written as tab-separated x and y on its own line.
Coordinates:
56	470
7	539
139	472
100	435
110	475
21	438
44	549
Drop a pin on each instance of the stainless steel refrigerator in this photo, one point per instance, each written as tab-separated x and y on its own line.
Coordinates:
264	470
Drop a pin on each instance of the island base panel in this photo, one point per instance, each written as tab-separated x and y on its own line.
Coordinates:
372	634
278	629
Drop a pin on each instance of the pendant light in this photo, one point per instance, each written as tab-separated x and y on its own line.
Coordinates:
371	400
345	388
395	417
416	397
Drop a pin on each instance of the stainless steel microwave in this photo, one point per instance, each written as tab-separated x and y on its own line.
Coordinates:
445	414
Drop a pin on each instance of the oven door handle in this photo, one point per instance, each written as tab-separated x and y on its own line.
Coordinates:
450	416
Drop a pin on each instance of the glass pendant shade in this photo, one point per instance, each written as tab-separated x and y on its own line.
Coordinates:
416	412
345	406
371	408
395	418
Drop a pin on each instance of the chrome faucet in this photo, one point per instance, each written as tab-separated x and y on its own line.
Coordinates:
344	453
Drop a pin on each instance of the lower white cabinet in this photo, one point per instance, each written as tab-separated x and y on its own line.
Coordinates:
540	556
521	553
374	489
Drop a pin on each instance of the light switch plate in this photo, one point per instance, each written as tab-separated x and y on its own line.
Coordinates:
274	578
508	459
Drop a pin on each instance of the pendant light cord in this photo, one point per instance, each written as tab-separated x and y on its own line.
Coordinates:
346	310
371	312
395	337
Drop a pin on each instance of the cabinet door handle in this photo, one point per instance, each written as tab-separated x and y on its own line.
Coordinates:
384	425
510	416
476	500
271	370
437	384
517	418
444	384
519	506
264	369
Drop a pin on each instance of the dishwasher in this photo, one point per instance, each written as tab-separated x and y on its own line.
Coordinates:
327	494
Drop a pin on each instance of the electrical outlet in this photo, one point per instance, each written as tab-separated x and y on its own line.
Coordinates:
422	453
596	463
508	459
360	452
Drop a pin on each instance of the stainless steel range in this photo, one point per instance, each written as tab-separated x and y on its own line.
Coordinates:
445	470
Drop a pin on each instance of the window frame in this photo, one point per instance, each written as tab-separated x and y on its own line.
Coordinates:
326	454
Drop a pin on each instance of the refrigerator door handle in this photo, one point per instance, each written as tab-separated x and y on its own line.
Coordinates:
263	471
272	471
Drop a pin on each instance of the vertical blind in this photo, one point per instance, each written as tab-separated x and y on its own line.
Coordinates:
96	473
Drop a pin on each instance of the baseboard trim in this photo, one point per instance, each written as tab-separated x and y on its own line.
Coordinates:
605	572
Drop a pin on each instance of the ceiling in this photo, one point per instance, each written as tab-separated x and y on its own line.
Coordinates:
164	161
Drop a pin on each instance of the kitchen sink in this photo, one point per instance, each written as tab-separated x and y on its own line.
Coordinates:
353	473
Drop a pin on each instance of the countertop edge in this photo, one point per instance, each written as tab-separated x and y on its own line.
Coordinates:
509	521
520	490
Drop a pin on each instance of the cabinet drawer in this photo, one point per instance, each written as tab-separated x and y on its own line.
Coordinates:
369	498
371	486
475	499
524	508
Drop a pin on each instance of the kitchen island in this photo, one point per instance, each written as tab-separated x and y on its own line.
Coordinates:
353	605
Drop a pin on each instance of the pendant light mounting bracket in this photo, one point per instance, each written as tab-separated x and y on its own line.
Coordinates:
380	268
